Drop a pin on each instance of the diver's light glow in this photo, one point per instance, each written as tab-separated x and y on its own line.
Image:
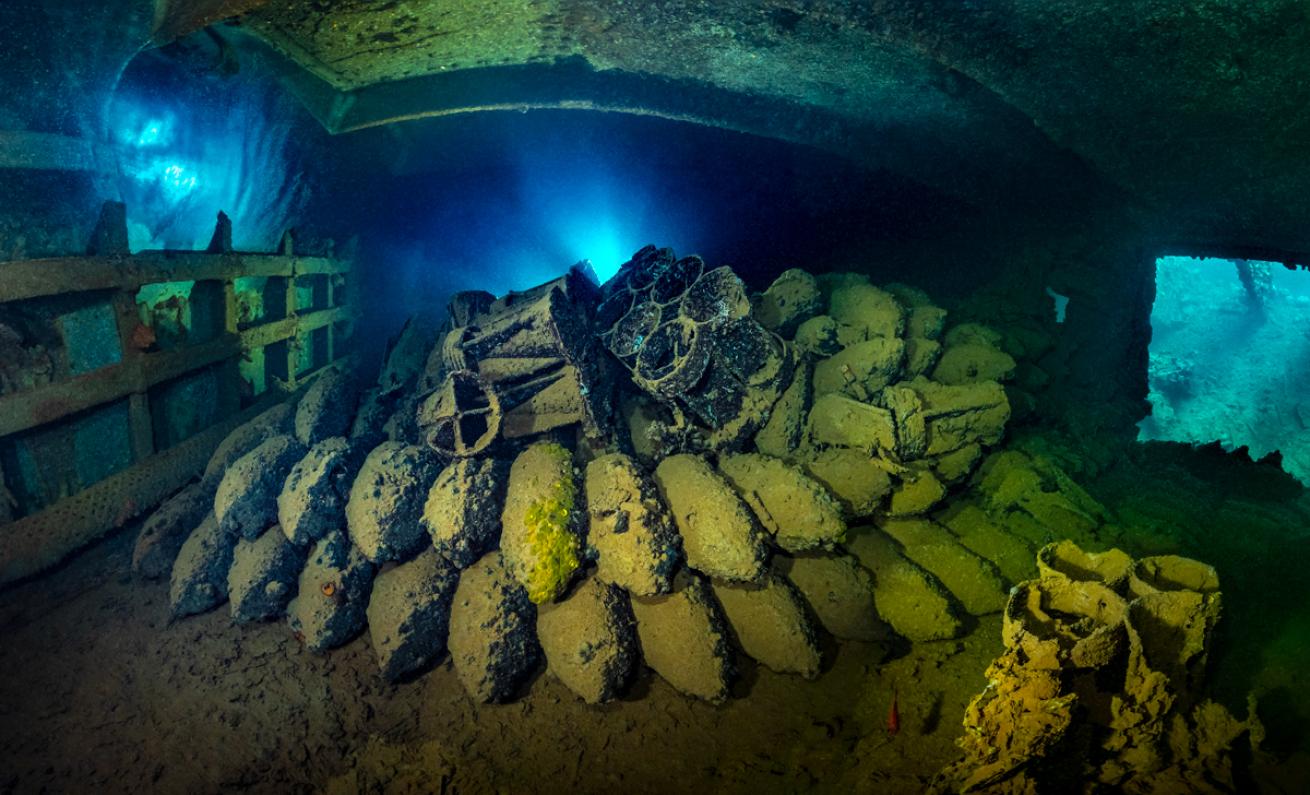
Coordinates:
596	208
189	152
600	243
155	132
178	180
556	203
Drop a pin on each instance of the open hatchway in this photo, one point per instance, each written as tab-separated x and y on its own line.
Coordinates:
1230	357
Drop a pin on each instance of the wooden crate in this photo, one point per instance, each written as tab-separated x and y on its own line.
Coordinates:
41	539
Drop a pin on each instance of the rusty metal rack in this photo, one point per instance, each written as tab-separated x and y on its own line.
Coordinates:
36	541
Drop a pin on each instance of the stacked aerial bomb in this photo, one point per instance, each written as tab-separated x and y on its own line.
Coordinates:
885	413
713	518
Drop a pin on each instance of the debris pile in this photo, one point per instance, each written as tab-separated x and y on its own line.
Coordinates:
514	368
665	470
688	339
1103	662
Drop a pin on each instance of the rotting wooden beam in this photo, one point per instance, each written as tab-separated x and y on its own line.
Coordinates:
30	408
53	152
44	277
35	543
34	407
140	426
330	294
286	328
290	303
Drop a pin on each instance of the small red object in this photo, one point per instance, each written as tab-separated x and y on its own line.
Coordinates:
893	717
125	512
143	337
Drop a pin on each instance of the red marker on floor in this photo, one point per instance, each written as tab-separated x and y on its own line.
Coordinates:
893	717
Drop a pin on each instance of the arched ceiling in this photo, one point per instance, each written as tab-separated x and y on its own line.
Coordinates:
1197	112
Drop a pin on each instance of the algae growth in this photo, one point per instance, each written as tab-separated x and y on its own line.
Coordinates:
552	546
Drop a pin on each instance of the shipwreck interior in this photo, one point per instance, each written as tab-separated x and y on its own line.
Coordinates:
599	396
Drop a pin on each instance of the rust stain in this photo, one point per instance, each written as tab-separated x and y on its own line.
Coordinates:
144	337
125	513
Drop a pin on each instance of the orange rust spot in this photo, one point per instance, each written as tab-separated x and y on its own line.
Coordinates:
143	337
126	512
329	588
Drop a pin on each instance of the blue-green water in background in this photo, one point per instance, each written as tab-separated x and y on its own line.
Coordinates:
1230	361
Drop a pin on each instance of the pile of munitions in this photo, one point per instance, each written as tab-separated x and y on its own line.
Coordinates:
1103	659
664	469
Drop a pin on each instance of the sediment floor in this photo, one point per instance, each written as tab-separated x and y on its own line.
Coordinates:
101	694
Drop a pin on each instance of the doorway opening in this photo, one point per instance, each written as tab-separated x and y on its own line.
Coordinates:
1230	358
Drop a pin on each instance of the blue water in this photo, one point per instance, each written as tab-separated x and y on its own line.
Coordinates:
1229	367
193	145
